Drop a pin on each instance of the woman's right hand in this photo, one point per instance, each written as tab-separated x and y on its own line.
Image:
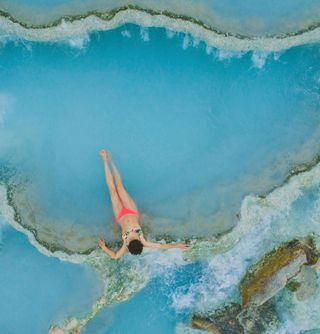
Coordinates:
104	155
182	245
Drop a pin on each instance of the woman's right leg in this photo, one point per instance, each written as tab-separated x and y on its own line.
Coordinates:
126	199
115	199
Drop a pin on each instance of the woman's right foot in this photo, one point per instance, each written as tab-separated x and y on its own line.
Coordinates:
104	155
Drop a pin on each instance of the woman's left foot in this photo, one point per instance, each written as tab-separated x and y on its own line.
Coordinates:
104	155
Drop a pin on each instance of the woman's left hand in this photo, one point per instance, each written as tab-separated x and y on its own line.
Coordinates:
102	243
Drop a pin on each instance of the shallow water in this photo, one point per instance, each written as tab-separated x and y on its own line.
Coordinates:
36	290
155	111
155	312
197	132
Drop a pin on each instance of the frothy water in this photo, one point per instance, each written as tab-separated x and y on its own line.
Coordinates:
299	315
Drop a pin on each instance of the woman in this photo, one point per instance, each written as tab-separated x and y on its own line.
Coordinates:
127	215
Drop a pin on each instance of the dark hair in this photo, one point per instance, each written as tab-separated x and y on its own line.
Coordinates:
135	247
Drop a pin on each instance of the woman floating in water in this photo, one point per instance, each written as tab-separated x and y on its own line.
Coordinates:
127	215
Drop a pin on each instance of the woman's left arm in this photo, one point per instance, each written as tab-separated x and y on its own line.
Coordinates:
112	254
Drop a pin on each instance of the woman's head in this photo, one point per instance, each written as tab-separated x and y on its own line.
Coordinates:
135	247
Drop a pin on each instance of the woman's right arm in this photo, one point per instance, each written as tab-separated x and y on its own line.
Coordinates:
181	245
112	254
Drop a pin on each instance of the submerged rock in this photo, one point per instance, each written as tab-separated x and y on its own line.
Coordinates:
265	278
221	321
311	331
233	319
293	286
262	319
204	324
56	330
71	326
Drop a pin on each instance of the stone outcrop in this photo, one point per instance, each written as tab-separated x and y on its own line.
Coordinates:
233	319
288	265
268	276
204	324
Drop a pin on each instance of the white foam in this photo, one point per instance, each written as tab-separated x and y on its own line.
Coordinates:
220	279
297	316
144	34
185	42
67	30
259	59
277	55
208	49
195	42
79	42
227	54
126	33
170	34
182	301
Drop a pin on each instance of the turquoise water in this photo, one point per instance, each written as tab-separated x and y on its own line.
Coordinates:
155	312
197	133
32	283
155	113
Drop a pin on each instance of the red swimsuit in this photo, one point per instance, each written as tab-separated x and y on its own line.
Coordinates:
126	211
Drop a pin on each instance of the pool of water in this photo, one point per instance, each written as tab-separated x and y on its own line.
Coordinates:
216	136
190	141
36	290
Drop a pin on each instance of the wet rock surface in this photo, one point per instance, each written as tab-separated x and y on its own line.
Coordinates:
268	276
289	265
233	319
